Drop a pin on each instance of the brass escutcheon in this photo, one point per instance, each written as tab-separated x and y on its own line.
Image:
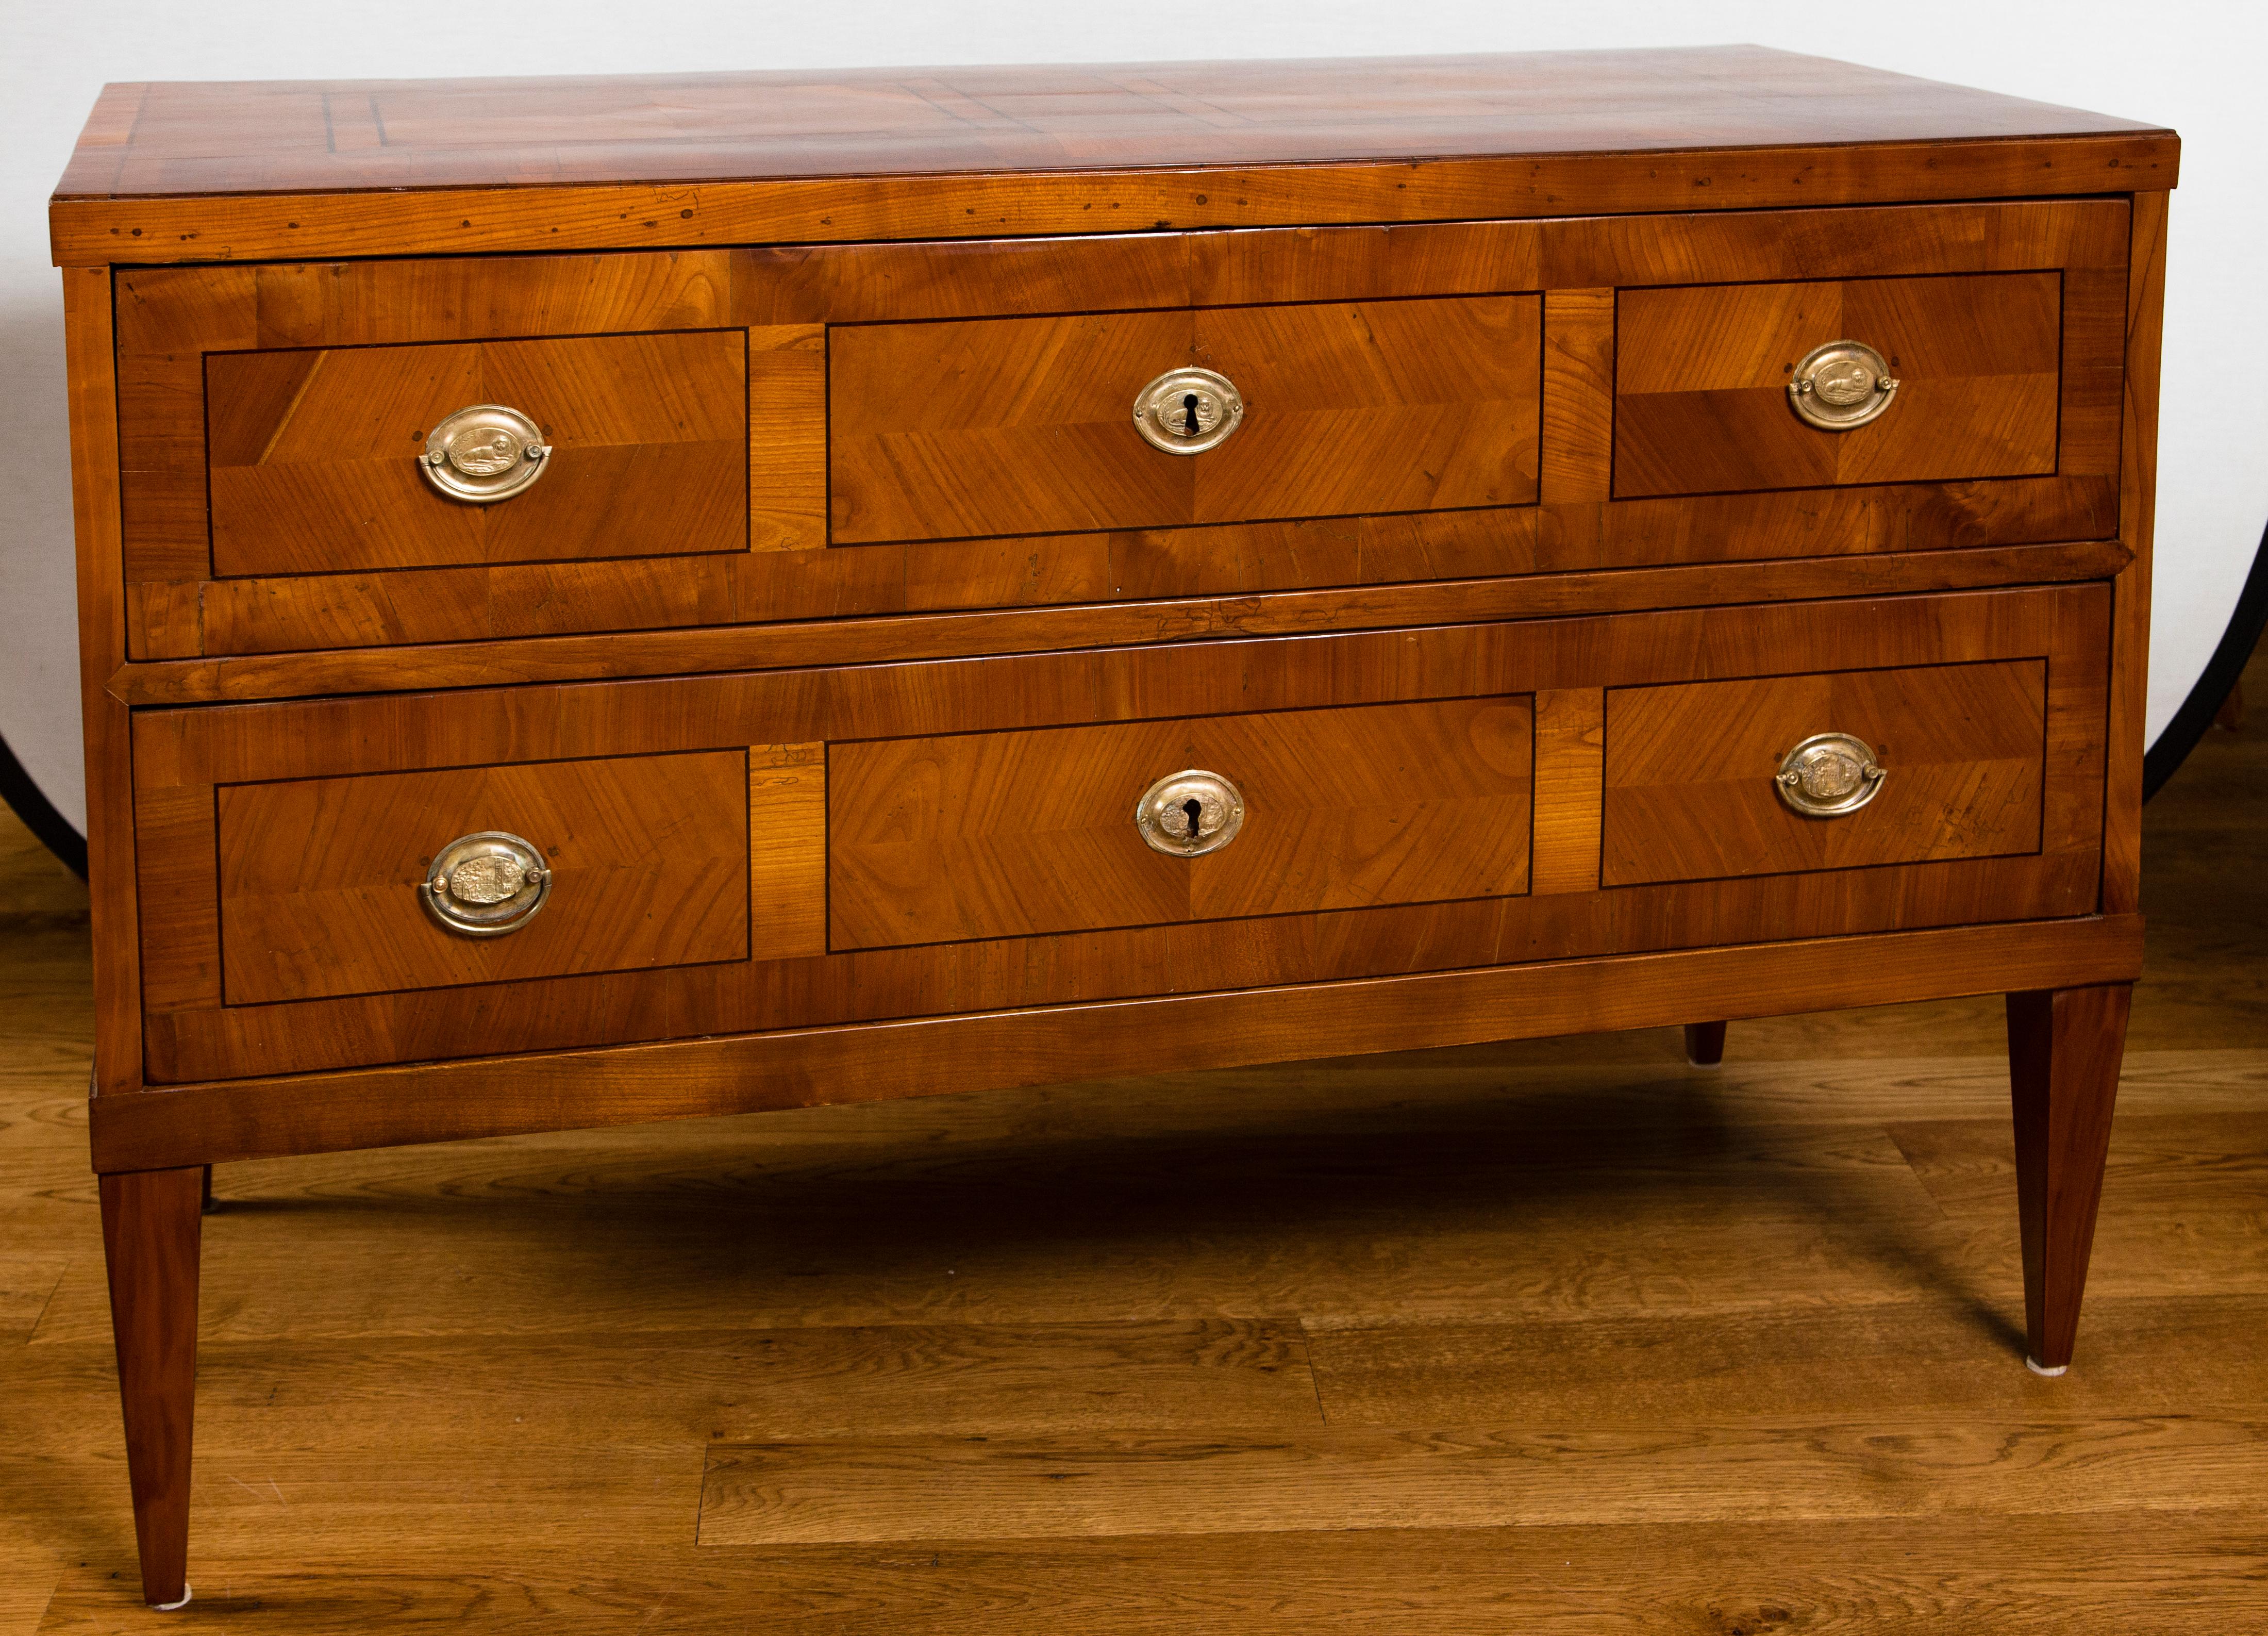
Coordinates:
1187	411
1827	775
484	454
1188	813
485	885
1841	385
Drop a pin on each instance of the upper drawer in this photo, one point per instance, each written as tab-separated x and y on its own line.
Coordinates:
1026	425
317	456
1703	376
806	432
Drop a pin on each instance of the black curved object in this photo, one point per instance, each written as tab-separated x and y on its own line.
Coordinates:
2164	758
38	814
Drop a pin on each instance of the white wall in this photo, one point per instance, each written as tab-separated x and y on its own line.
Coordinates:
2190	63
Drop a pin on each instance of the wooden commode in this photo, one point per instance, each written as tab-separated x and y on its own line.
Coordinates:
619	599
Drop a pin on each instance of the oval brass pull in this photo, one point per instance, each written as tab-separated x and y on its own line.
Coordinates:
485	885
1841	385
1188	813
1827	775
1187	411
484	454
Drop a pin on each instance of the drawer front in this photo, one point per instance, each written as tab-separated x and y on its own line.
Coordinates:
1008	834
1693	789
1026	425
322	881
802	849
930	427
316	455
1701	376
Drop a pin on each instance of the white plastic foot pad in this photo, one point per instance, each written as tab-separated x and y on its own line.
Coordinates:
2038	1368
175	1607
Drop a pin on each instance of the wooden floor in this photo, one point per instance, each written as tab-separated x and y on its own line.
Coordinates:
1564	1337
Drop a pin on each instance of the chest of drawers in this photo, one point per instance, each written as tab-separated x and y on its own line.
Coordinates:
621	599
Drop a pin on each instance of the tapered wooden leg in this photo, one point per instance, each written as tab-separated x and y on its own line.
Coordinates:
205	1203
2064	1049
1705	1043
152	1222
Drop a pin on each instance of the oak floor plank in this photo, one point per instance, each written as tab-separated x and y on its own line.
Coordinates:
1934	1355
2138	1573
2158	1161
27	1283
666	1391
249	1501
1336	1231
1329	1478
478	1280
29	1572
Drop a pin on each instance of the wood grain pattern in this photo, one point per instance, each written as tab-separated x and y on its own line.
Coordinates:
2064	1051
410	733
1009	834
1550	134
177	838
1024	425
1347	1478
947	636
745	1073
1571	736
1701	381
1689	770
504	220
787	437
168	317
313	455
1578	396
787	849
151	1224
2144	327
518	602
251	137
319	879
90	394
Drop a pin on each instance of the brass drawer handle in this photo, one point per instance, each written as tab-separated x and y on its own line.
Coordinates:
1187	411
485	885
1187	814
1841	385
484	454
1827	775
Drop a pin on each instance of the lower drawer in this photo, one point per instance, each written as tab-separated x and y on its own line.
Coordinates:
775	850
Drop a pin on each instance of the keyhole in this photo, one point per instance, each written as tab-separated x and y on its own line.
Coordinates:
1189	428
1195	808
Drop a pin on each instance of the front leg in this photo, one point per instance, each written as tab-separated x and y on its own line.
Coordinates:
2064	1050
151	1224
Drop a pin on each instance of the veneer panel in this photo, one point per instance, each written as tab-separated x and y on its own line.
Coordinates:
319	880
1701	376
1689	770
1007	834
